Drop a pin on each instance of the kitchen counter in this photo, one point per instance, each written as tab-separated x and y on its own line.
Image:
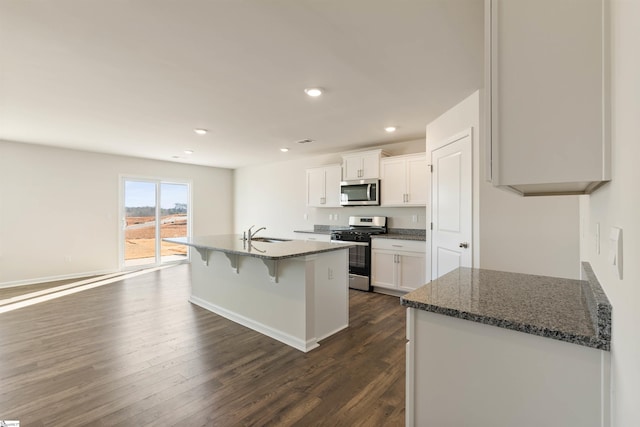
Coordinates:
234	245
500	376
575	311
293	291
397	236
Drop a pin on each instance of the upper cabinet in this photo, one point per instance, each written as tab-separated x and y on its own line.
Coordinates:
547	106
404	180
361	165
323	186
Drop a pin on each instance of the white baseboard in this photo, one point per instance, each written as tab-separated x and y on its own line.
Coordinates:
335	331
276	334
38	280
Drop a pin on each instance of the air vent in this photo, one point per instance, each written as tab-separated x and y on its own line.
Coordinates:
305	141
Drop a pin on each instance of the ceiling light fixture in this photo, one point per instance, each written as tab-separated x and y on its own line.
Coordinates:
304	141
390	129
284	149
313	91
200	131
188	151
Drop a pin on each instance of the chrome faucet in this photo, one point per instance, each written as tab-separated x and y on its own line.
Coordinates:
251	234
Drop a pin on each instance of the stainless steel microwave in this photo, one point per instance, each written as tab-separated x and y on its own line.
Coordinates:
361	192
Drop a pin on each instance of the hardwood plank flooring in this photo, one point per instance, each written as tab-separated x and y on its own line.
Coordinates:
136	352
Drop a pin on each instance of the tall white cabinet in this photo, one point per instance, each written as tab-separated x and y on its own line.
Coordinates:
547	107
404	180
323	186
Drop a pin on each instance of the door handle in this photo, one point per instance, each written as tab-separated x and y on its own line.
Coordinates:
463	245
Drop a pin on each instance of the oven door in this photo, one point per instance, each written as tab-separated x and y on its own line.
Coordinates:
359	266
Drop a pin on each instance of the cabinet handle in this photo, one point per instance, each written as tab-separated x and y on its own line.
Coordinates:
397	246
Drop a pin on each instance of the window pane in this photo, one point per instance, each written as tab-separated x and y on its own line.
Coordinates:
174	199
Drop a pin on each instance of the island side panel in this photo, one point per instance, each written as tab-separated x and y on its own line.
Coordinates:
250	298
467	373
331	293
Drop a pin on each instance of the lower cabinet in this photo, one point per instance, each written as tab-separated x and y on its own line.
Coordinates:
397	264
464	373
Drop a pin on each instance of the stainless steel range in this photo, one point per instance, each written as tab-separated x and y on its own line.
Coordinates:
360	230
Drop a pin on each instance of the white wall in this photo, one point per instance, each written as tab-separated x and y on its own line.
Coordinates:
58	204
617	204
274	195
535	235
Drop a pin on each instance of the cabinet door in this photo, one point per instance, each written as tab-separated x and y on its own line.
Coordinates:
383	269
333	175
411	270
417	181
371	166
393	182
352	167
316	187
547	107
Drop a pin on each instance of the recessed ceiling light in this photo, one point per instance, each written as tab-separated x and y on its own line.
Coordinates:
390	129
313	91
284	150
188	151
304	141
200	131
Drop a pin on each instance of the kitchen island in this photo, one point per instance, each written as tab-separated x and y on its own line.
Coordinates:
291	290
493	348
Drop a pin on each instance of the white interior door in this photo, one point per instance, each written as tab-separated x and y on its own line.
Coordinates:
451	206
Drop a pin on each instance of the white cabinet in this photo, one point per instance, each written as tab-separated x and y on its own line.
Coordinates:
403	180
397	264
547	95
361	165
323	186
314	237
464	373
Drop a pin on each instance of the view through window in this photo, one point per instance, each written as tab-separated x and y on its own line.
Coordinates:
154	210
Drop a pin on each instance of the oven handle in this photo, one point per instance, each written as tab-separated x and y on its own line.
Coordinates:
351	243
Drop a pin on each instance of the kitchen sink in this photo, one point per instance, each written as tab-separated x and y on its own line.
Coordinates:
269	239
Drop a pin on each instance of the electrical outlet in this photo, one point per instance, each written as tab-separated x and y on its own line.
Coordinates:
306	217
414	218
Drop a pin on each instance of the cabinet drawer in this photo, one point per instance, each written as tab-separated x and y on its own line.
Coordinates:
399	245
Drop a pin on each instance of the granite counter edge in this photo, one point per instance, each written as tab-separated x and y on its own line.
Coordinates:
588	341
268	257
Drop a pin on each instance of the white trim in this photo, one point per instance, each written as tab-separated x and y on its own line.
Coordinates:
328	334
451	139
38	280
276	334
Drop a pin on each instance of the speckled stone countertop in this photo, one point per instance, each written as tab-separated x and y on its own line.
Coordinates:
233	244
575	311
403	234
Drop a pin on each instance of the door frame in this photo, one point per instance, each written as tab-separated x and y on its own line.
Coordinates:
122	215
472	243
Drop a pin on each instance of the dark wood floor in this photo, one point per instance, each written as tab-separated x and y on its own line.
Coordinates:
137	353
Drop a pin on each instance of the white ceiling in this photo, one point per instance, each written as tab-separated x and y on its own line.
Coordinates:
136	77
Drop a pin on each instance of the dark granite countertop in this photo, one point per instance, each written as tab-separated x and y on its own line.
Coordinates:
417	237
575	311
233	244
